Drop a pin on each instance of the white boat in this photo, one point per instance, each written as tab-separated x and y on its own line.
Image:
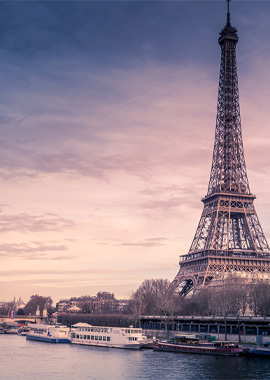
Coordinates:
117	337
49	333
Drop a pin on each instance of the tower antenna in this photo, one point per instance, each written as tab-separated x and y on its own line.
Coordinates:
228	13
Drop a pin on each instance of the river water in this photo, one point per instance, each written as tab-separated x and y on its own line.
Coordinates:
28	360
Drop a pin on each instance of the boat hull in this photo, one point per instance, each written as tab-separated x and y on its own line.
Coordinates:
47	339
126	346
258	353
189	349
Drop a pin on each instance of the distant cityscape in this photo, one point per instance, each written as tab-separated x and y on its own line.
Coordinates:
102	303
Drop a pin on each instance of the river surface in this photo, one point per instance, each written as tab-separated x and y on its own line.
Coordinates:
27	360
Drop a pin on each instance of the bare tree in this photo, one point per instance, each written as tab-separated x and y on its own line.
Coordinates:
153	297
228	298
260	298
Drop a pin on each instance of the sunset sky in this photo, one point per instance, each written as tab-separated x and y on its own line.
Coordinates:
107	129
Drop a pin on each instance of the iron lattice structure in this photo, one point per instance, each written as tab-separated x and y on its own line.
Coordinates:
229	237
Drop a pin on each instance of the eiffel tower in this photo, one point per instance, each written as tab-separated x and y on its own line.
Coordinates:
229	238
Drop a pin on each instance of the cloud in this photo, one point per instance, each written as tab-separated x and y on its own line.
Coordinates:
117	30
151	242
165	204
173	197
30	223
144	130
5	119
32	251
31	165
81	272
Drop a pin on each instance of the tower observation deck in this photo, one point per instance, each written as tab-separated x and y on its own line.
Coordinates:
229	238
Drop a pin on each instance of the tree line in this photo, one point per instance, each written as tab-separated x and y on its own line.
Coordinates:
234	297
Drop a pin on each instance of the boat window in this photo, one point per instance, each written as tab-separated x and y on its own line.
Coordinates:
96	337
104	338
92	329
81	336
88	336
100	337
92	337
84	337
108	338
77	336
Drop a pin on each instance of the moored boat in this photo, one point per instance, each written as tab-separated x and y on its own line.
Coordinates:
49	333
103	336
193	345
10	327
260	352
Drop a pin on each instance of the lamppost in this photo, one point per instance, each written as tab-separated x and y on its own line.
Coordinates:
239	336
225	319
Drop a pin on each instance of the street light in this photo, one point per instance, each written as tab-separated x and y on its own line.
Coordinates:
239	336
